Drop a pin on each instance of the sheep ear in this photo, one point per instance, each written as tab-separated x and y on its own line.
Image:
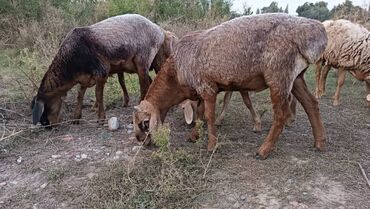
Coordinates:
37	111
188	113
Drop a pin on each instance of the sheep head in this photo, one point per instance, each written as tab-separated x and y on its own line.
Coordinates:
170	39
146	119
165	50
45	111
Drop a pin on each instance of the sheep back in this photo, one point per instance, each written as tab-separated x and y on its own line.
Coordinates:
348	45
85	49
237	51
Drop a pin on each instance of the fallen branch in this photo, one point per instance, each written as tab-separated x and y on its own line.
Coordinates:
364	174
132	161
12	111
209	161
11	135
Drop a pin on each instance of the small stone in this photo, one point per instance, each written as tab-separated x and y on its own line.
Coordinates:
2	202
67	138
19	160
129	126
2	184
43	185
83	156
236	205
115	157
78	156
113	124
242	197
129	131
90	175
107	154
132	138
14	182
55	156
135	148
119	153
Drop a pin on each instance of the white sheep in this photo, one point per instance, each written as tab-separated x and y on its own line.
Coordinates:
348	49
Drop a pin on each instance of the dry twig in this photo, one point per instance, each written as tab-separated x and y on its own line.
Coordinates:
210	159
11	135
12	111
364	174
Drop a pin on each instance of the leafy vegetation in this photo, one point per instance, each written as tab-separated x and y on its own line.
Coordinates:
318	10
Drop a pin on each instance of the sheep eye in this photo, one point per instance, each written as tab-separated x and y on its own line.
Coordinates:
144	126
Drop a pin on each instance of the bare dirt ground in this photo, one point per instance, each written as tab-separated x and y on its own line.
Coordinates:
88	166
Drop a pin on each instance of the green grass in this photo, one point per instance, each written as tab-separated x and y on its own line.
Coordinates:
56	174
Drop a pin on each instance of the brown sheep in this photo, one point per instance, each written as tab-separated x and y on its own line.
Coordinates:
88	55
249	53
348	49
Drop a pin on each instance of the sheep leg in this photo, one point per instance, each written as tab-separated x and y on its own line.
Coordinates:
80	97
341	78
144	79
143	65
209	113
200	110
194	134
121	80
311	107
280	105
99	91
318	76
255	116
226	102
322	82
293	109
368	91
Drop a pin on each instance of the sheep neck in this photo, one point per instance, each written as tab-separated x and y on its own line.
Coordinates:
166	92
53	84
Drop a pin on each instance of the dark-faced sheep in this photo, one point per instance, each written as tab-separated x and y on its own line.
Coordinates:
88	55
249	53
348	49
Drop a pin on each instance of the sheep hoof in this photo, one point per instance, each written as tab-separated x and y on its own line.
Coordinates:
260	157
263	152
257	128
320	146
101	121
194	135
290	121
336	103
218	123
125	103
211	146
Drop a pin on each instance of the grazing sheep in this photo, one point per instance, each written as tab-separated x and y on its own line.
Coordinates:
250	53
348	49
88	55
195	109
